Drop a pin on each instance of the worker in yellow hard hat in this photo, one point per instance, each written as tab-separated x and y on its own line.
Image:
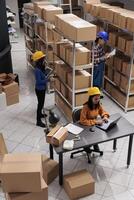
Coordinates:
92	109
40	86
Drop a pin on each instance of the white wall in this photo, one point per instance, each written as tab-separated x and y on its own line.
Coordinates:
13	4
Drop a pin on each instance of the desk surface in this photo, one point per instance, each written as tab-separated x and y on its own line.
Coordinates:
122	129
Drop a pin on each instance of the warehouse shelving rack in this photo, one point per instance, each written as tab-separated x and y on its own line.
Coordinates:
28	24
128	94
61	4
74	69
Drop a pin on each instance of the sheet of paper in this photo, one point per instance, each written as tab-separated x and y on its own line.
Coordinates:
74	129
112	53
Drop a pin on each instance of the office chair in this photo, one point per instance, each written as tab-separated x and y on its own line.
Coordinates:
76	117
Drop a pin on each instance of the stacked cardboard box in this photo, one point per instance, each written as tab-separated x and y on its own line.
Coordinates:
17	172
75	28
12	93
65	51
79	184
50	169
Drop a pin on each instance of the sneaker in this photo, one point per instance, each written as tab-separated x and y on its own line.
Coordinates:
41	124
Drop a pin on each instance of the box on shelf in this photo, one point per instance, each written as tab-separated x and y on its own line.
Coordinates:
107	86
50	11
76	28
62	104
43	194
50	169
39	4
113	39
117	78
82	79
57	135
82	56
124	83
110	61
126	69
130	23
117	63
79	184
57	84
95	10
129	47
63	90
18	170
80	98
110	72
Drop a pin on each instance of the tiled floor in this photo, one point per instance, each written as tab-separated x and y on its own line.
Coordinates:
17	123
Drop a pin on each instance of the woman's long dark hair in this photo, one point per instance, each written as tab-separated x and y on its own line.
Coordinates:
90	104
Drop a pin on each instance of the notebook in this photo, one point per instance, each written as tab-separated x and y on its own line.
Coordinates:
111	122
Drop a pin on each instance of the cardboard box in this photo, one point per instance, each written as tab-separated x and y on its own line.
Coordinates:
65	108
129	47
130	23
57	84
40	3
63	90
107	87
11	89
19	171
110	72
117	78
79	184
57	135
3	148
51	133
110	61
12	99
82	56
82	79
80	98
113	39
126	69
95	10
50	11
118	63
58	65
124	83
50	169
43	194
76	28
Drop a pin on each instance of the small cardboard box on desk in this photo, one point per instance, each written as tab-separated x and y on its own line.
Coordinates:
79	184
57	135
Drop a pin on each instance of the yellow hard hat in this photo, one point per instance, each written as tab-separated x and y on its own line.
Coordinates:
93	91
38	55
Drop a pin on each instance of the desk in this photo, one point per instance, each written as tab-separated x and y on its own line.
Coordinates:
123	129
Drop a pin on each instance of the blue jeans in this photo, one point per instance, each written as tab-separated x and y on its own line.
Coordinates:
98	75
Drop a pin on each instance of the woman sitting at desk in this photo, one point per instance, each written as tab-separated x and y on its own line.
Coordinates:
92	109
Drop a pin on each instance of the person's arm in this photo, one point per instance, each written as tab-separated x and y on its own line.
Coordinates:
84	120
104	115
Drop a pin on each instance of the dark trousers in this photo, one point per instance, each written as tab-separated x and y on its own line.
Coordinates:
98	75
41	99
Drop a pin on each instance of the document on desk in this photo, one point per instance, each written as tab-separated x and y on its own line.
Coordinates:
74	129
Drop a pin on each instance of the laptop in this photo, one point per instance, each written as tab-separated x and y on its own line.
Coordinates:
111	122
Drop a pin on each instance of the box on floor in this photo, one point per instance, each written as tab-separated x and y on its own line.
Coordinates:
20	171
79	184
50	169
42	195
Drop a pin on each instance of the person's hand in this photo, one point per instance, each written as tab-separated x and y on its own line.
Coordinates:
105	119
99	122
106	56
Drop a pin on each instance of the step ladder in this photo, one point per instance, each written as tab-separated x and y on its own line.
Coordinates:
61	4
